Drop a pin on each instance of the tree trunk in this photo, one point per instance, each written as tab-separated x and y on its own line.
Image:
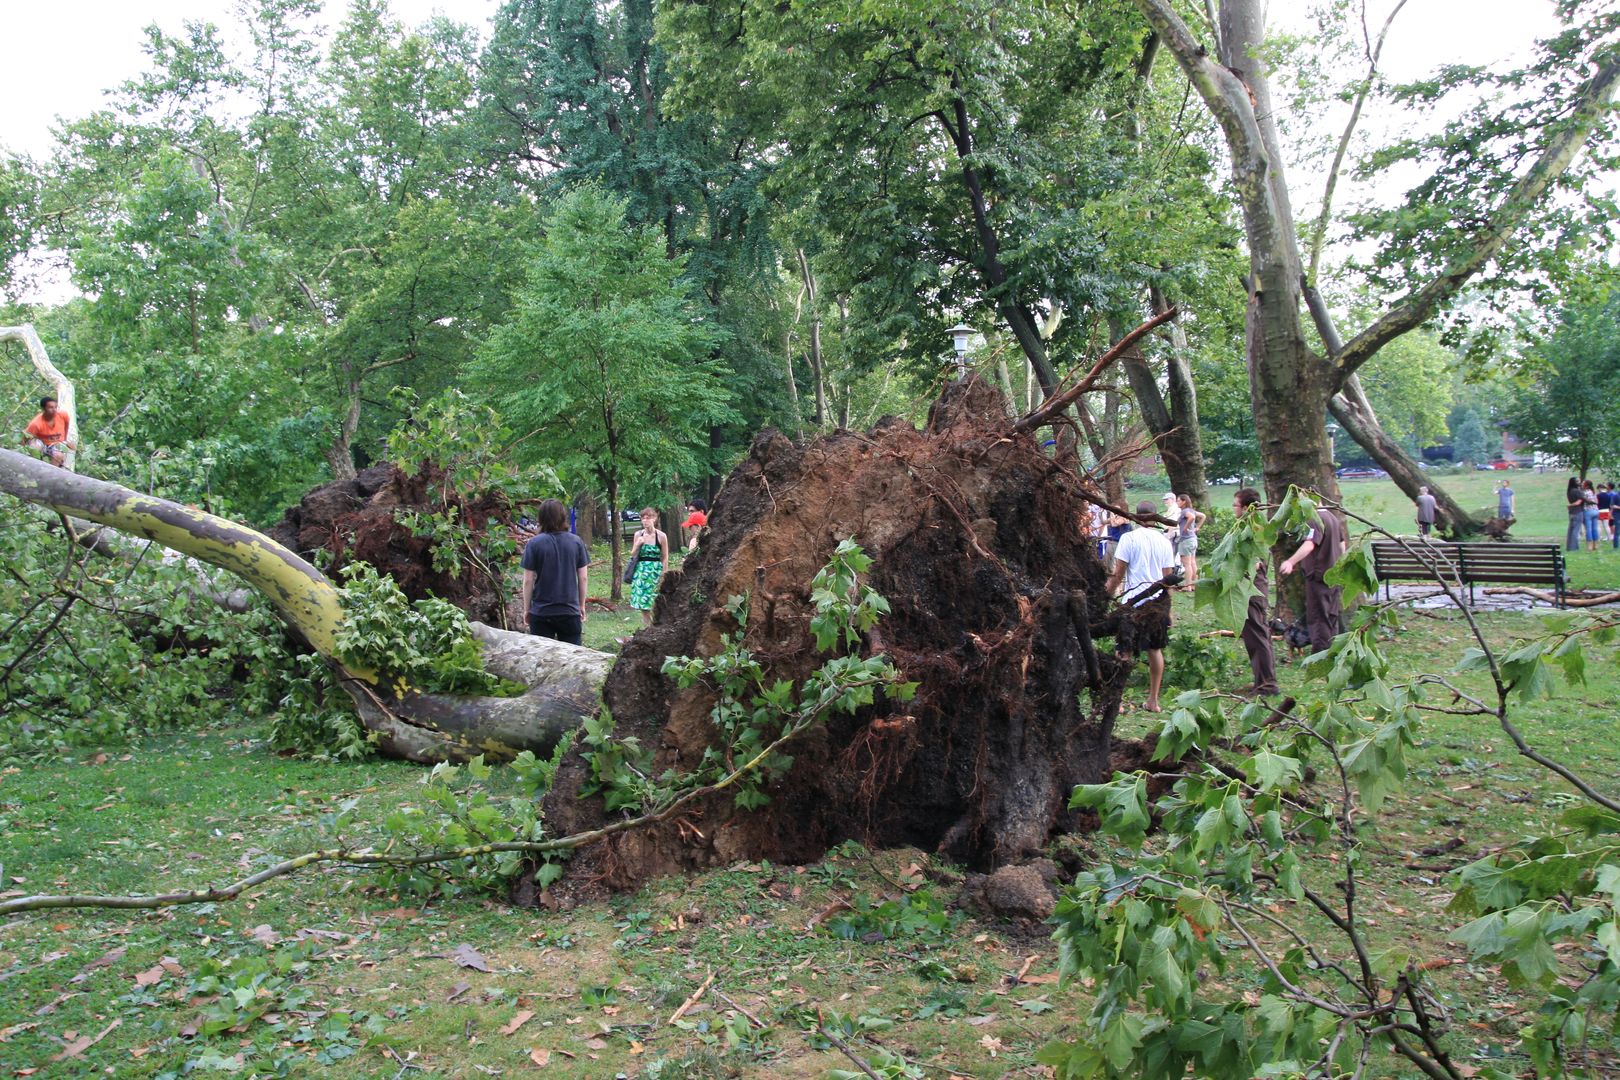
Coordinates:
340	454
1173	423
816	371
615	538
716	441
563	680
1352	409
792	383
585	515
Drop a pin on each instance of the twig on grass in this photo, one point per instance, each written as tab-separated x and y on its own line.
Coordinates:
821	1029
691	1001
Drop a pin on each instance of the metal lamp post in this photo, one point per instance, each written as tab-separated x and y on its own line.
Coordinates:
961	333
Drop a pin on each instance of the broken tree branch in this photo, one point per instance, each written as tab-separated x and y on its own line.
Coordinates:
1055	404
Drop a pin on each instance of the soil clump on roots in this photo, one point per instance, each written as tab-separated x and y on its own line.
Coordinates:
996	600
359	519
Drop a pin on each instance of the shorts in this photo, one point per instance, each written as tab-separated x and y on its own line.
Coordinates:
1187	546
1144	628
39	447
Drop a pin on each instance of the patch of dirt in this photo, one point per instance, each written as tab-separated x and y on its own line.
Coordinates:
1027	891
995	602
359	519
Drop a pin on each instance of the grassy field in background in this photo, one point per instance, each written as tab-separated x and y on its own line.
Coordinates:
1539	500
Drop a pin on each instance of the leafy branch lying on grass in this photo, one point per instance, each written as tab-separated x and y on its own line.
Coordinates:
1240	855
750	751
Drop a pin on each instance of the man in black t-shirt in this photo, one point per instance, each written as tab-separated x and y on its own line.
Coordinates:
555	577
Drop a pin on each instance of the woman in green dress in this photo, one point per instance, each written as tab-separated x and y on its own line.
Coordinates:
650	549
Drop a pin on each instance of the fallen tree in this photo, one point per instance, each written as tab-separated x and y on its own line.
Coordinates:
996	607
561	680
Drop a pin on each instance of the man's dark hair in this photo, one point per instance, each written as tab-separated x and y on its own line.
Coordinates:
553	516
46	400
1247	496
699	504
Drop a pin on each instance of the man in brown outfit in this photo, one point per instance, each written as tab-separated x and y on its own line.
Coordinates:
1256	628
1324	615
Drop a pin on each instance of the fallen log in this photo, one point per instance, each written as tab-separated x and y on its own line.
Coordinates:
1581	599
562	680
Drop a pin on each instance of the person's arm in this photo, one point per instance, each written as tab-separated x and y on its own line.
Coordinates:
528	590
1202	517
1116	579
663	548
1296	558
584	584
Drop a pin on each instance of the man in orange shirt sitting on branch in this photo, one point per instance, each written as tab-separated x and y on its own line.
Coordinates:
47	433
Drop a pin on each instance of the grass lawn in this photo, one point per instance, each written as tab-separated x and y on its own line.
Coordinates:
339	973
1539	501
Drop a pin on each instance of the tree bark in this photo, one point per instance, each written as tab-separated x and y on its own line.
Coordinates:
340	454
563	680
812	294
615	539
1352	409
1171	416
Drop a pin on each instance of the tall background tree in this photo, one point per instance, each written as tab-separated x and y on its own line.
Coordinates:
605	360
1567	405
1496	170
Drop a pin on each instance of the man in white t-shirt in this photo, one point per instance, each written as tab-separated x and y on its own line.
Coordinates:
1142	560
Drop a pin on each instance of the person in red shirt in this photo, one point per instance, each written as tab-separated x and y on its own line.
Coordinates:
47	433
697	516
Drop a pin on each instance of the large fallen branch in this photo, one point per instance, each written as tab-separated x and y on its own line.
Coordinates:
563	680
1569	599
1055	404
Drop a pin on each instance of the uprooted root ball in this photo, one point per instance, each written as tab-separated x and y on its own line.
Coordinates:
976	539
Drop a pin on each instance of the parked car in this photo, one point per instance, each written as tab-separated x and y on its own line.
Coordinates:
1504	464
1359	472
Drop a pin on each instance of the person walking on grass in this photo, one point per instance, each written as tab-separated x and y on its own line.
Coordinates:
1143	559
1504	501
651	549
1256	633
1576	504
1605	503
1191	519
555	577
1426	506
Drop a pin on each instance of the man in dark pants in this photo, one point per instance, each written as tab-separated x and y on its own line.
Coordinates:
555	577
1256	628
1324	617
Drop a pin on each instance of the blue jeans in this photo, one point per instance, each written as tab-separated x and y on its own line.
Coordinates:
1572	542
1591	523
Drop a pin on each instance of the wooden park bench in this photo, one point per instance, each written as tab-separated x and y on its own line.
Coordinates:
1470	564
